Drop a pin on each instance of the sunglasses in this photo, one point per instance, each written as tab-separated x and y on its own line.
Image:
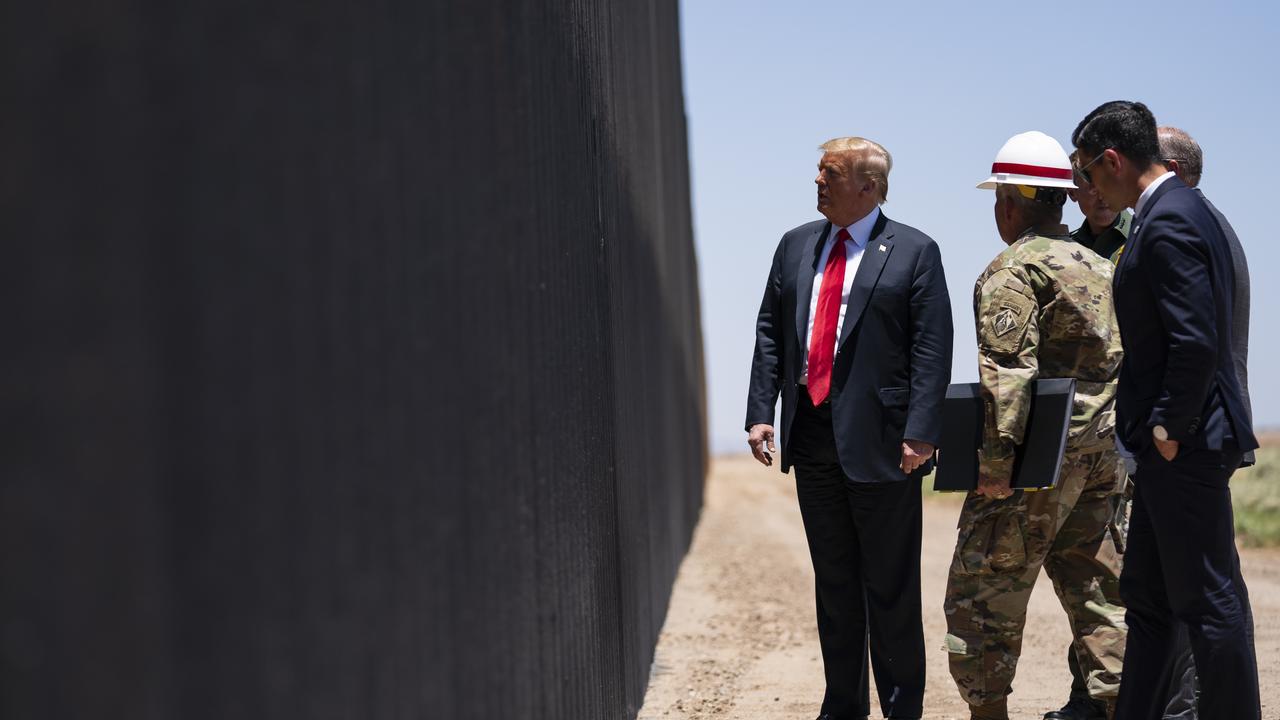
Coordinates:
1084	171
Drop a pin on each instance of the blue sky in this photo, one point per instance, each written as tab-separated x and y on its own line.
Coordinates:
942	86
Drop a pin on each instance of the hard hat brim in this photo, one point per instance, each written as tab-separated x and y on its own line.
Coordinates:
1016	179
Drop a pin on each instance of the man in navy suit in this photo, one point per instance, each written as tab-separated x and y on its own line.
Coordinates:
1181	154
854	332
1182	412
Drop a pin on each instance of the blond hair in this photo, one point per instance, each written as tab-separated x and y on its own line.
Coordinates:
869	159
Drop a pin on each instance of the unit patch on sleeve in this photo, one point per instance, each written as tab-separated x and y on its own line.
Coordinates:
1006	321
1007	313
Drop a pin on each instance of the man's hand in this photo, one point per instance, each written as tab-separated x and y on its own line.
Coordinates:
988	487
760	438
1168	449
914	454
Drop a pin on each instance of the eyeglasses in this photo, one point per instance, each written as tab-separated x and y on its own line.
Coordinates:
1084	171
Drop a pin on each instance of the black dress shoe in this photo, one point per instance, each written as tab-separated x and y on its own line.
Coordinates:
1078	708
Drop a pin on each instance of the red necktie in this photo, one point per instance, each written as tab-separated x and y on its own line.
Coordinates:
822	341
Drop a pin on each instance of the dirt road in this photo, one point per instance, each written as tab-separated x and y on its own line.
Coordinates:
740	638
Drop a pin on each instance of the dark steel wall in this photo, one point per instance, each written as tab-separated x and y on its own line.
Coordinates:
352	361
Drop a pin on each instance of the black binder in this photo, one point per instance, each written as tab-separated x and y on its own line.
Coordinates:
1039	458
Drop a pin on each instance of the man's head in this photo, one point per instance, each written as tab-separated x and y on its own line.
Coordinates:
853	177
1021	207
1180	153
1031	176
1116	145
1096	211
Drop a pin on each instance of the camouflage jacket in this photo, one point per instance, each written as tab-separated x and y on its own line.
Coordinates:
1110	242
1043	309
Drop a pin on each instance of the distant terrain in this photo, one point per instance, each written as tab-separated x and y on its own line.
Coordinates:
1255	492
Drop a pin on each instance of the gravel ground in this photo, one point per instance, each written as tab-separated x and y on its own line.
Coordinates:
740	639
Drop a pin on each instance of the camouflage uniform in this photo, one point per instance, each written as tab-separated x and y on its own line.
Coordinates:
1109	244
1043	309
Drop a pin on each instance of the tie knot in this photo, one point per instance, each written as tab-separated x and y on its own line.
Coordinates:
843	235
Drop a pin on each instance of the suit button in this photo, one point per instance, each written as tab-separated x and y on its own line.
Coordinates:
1195	425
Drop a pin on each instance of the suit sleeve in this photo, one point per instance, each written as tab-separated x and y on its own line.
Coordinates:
1181	280
1008	340
931	337
766	363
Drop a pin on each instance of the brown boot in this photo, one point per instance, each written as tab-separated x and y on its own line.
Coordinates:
998	710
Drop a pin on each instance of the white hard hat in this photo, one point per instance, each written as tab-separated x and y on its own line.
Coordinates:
1031	158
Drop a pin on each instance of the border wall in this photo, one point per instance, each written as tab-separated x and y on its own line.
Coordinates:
353	362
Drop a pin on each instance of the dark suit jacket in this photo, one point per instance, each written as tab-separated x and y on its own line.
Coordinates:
1173	292
1239	313
893	360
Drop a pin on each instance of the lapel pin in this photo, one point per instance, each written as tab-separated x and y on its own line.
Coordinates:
882	247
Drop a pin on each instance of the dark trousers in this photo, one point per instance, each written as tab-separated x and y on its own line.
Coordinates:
1180	677
1178	685
864	539
1181	566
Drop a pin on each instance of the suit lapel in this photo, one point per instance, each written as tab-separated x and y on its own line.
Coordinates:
874	257
1140	221
804	279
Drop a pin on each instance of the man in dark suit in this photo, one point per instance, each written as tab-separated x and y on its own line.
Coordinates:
1182	412
1181	154
855	333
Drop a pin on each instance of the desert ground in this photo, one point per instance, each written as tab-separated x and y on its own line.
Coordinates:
740	639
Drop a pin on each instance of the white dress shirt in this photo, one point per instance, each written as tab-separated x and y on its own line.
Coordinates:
1151	190
860	234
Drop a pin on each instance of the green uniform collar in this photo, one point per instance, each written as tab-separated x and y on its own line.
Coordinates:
1108	241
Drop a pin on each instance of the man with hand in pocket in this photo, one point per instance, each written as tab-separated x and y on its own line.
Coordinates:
1183	412
1043	310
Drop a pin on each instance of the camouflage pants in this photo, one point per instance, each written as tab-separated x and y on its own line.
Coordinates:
1001	546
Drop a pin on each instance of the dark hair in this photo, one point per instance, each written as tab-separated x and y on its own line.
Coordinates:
1127	127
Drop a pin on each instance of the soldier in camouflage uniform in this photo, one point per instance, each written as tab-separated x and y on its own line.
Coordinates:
1105	232
1043	309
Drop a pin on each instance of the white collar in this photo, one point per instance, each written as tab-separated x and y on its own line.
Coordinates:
1151	189
860	231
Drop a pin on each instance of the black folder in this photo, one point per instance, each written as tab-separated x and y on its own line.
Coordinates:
1039	459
